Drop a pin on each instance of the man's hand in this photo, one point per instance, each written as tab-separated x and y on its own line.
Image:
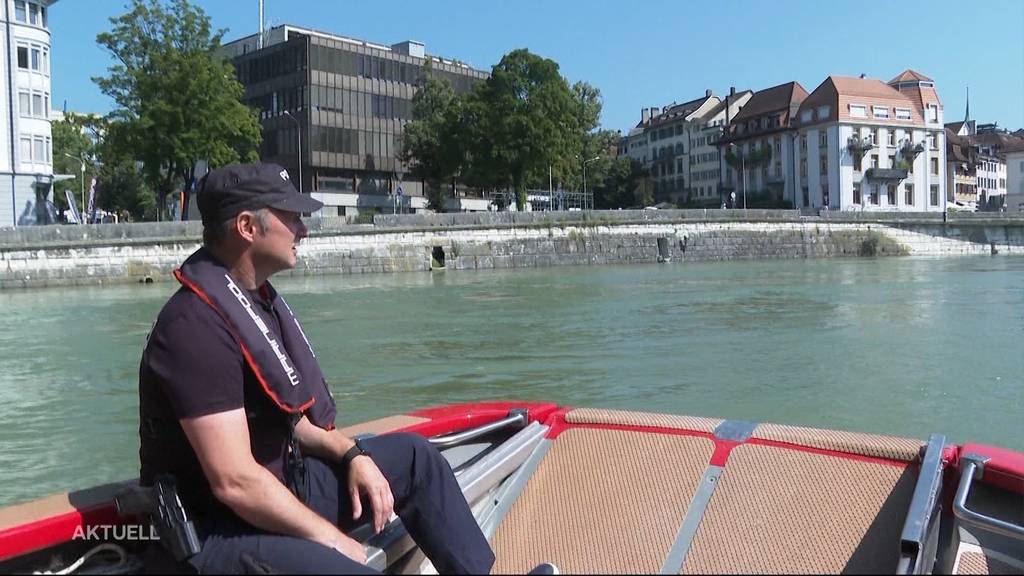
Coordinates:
365	478
345	545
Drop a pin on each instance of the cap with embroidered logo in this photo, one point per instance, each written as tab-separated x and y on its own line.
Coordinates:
227	191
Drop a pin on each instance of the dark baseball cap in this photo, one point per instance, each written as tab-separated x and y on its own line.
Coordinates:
227	191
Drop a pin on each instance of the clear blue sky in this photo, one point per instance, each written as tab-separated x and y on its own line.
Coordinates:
644	53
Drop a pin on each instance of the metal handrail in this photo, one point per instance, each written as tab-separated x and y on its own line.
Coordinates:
920	529
394	542
517	418
973	465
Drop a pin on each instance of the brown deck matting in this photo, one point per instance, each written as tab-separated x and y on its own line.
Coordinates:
777	510
977	563
890	447
603	501
625	418
382	425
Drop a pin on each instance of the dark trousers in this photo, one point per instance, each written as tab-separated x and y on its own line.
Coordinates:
427	499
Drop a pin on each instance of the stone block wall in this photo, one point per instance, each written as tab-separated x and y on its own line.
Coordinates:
72	255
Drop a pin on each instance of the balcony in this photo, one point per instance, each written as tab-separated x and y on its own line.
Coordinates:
857	144
885	174
910	150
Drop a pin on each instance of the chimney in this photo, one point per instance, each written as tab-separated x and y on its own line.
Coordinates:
707	93
863	76
645	116
732	90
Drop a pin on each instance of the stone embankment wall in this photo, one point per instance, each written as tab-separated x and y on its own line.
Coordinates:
118	253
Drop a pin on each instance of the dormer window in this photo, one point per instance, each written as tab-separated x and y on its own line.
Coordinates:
903	113
880	111
823	112
858	111
807	115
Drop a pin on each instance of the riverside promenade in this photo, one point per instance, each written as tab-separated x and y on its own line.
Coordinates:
144	252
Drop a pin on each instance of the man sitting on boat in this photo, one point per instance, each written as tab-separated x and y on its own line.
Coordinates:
234	406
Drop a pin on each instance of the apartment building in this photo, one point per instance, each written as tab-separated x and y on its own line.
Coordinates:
863	144
26	152
757	146
961	171
665	144
1014	155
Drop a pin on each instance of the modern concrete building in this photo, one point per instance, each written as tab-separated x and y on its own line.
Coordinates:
757	146
346	101
863	144
26	148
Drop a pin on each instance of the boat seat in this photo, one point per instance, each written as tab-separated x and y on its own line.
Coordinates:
603	500
803	500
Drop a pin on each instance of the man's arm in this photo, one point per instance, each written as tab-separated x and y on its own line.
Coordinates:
221	442
363	477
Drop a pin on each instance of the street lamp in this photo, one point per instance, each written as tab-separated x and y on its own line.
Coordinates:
743	171
298	132
81	216
585	162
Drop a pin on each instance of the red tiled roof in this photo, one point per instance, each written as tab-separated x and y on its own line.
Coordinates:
839	92
782	97
909	75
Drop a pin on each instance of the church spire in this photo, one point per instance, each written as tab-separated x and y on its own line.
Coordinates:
967	115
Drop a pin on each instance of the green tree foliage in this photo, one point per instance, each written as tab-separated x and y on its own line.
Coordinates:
74	144
529	121
430	143
621	186
178	101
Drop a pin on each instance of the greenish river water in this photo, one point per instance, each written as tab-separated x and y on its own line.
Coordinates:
893	346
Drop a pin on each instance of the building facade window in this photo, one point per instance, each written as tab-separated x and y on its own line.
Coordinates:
892	137
858	111
857	160
892	194
903	113
23	56
856	193
908	194
880	111
822	139
873	194
935	166
934	197
874	160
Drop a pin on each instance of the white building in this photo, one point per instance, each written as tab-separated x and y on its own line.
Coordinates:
867	145
26	150
1014	178
678	146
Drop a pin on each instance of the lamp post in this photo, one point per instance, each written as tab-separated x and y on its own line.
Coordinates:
585	162
82	160
298	155
743	171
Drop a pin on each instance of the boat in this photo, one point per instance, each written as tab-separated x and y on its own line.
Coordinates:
610	491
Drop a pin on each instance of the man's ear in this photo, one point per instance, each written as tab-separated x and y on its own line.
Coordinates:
247	226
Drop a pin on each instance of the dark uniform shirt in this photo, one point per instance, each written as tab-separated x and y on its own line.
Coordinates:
193	366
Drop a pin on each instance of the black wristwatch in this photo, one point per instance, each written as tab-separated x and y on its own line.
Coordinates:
357	449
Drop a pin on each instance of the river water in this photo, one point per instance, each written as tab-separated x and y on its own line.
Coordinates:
903	346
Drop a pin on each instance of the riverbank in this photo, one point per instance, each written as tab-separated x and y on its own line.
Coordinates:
124	253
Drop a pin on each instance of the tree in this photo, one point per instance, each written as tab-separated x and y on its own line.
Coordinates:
179	103
74	145
528	123
429	142
621	187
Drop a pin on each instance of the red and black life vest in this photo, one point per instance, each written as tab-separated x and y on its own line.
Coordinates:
284	364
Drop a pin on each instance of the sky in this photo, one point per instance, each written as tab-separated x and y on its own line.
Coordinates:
639	54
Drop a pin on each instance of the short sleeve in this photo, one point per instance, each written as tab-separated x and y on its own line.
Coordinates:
197	363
